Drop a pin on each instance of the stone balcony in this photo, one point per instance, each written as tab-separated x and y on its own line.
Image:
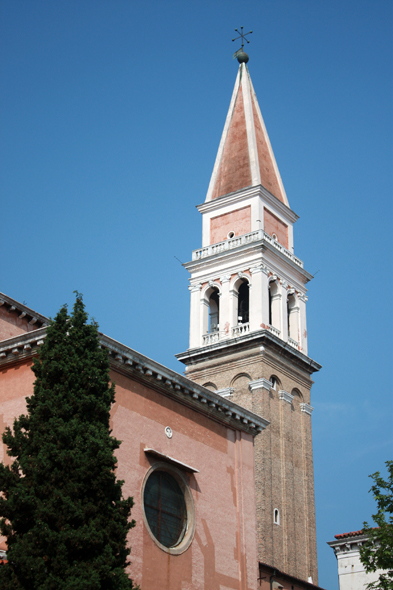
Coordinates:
217	336
241	330
230	244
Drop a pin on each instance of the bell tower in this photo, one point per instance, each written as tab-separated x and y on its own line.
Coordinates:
248	331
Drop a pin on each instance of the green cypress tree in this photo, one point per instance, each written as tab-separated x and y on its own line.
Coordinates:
62	509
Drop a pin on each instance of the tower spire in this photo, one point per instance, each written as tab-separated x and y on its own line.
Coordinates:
245	156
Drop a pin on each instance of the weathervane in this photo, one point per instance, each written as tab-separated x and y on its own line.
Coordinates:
240	54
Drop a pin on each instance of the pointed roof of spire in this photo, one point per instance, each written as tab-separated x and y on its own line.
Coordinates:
245	156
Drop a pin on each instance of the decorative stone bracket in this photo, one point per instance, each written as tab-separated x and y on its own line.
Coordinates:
285	396
260	384
306	408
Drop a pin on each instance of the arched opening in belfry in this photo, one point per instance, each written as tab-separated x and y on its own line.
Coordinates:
214	311
243	303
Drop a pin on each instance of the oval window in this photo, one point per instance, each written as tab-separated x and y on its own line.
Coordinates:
165	508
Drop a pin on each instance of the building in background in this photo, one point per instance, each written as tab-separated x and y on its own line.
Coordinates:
351	572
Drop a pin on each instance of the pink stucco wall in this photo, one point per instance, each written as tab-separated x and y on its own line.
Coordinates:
238	221
273	225
223	553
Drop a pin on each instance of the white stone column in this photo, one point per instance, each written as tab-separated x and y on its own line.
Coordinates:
294	323
265	295
233	305
259	298
256	294
276	298
225	312
195	333
303	324
294	316
284	311
203	319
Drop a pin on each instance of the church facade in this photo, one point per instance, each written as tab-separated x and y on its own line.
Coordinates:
192	443
228	445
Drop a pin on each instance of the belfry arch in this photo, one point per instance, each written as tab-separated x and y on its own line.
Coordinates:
210	310
214	311
240	302
243	303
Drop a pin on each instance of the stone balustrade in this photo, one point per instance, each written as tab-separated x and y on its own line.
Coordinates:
293	343
211	338
274	331
245	239
240	329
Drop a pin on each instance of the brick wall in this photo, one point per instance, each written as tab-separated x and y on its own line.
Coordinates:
283	454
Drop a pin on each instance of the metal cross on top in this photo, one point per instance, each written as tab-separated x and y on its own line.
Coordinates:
242	36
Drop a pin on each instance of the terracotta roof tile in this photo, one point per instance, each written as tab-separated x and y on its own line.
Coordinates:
351	534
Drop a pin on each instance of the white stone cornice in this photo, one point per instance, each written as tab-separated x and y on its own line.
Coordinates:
246	193
261	383
226	392
32	317
348	545
306	408
285	396
303	297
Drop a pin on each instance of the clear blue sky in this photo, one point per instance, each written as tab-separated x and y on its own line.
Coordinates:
111	115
